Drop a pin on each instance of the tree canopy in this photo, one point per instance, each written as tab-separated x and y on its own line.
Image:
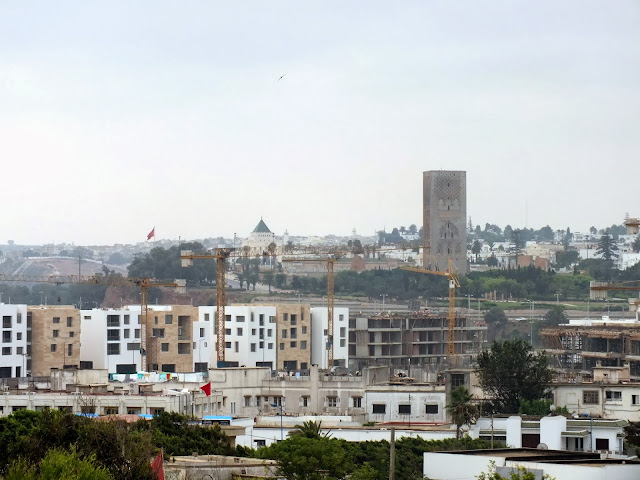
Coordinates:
511	371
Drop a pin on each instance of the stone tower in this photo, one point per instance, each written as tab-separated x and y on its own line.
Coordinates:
445	219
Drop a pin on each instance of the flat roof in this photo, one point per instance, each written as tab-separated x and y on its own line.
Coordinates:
546	456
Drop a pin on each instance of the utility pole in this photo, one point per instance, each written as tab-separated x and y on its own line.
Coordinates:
392	455
557	298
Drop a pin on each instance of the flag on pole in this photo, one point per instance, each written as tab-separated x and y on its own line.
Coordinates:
206	389
152	233
157	467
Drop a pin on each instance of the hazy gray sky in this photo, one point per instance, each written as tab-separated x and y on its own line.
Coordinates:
118	116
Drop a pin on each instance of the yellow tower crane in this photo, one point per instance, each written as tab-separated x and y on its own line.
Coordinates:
143	283
453	284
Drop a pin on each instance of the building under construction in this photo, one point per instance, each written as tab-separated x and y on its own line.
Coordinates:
418	339
581	345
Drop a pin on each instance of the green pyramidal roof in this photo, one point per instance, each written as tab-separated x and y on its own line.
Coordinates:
261	228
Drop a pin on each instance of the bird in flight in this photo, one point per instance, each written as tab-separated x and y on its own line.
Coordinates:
281	77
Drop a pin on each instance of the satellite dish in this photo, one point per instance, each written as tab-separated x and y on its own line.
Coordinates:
552	408
542	446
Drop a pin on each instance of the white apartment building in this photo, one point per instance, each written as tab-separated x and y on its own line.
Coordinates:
320	337
110	339
13	361
250	336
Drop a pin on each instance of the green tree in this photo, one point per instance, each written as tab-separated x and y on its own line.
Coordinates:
268	277
555	316
59	464
116	258
492	261
461	408
516	243
607	247
510	371
302	458
495	315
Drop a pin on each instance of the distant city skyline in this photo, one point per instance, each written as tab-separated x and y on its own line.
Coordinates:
200	118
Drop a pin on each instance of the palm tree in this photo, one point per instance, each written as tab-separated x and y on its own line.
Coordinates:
461	409
308	429
476	248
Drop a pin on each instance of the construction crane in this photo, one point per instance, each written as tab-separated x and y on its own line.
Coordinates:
143	283
453	284
221	255
330	299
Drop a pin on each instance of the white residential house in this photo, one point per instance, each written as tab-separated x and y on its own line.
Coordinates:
14	361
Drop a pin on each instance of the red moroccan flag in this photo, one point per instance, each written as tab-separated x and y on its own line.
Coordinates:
152	233
206	389
158	467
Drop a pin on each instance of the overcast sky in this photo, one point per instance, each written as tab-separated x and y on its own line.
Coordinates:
118	116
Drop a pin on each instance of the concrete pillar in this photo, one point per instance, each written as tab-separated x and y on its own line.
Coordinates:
551	429
514	432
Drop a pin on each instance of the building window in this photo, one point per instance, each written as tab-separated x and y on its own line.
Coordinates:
53	347
635	399
613	395
261	317
285	317
6	351
157	332
69	321
56	319
201	332
332	401
269	332
357	402
303	345
6	322
590	397
282	346
168	319
184	348
56	334
137	333
272	319
113	335
343	332
240	318
6	336
206	317
270	346
304	401
164	347
237	346
431	409
304	330
113	349
19	350
227	318
379	408
457	380
404	409
284	333
294	344
239	332
227	344
293	319
343	342
133	346
227	331
126	319
247	400
125	332
340	318
113	320
294	333
70	349
253	347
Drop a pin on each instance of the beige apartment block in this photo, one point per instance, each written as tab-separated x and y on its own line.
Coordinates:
293	337
169	338
55	338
